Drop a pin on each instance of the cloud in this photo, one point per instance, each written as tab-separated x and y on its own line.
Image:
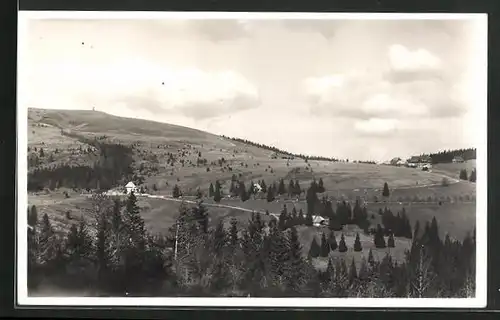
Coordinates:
413	86
221	30
376	126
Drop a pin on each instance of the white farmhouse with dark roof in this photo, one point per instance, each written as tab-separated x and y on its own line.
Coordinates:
130	187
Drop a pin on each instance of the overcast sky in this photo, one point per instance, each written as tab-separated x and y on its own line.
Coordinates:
368	90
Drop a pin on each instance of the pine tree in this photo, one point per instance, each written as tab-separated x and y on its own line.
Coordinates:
330	270
217	192
463	174
390	241
472	177
385	192
311	199
325	246
281	187
291	187
301	218
176	193
315	249
296	269
134	223
297	189
219	239
243	192
278	252
342	245
371	260
47	242
357	244
200	214
270	194
378	239
332	241
320	188
309	219
283	218
251	189
211	191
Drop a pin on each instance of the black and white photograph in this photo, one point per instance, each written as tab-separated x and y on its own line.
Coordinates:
252	159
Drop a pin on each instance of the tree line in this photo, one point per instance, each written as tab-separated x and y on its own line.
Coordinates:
112	253
447	156
113	166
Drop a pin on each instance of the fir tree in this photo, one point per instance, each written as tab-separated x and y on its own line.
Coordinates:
263	186
371	260
243	192
385	192
291	187
211	190
363	270
472	177
325	246
309	219
295	275
332	241
357	244
270	194
297	190
315	249
283	218
217	192
463	174
219	239
320	188
281	187
390	241
342	245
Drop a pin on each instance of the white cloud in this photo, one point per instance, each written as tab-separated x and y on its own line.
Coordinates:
403	59
376	126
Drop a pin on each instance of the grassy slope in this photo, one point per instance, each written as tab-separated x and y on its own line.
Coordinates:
158	139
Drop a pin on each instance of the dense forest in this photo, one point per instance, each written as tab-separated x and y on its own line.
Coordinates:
447	156
113	166
112	253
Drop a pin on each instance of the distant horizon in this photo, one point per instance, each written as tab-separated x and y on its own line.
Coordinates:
404	157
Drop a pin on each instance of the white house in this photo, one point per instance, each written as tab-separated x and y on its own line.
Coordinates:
131	187
458	159
319	221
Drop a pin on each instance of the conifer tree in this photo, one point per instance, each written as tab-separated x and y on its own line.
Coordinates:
270	194
472	177
463	174
281	187
357	244
309	219
283	218
296	268
243	192
330	270
217	192
332	241
297	189
291	187
325	246
176	193
311	199
278	252
211	190
219	239
371	260
47	242
378	238
342	245
390	241
385	192
315	249
320	188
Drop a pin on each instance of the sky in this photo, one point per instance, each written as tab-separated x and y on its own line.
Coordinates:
356	89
